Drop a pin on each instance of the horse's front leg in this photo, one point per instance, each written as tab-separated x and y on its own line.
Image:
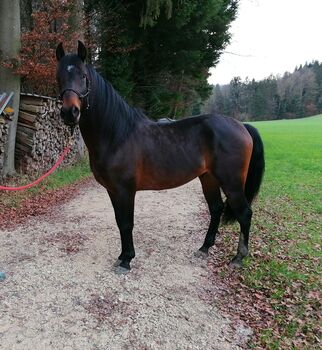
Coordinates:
123	204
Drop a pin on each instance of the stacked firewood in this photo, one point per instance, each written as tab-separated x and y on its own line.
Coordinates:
4	132
41	135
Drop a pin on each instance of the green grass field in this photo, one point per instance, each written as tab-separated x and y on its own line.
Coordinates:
287	232
294	160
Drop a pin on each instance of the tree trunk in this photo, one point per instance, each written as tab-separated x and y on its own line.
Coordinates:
175	109
9	48
26	12
76	18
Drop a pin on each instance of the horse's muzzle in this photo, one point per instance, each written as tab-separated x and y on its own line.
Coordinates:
70	116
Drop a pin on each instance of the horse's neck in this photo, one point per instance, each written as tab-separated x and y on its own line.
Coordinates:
109	119
106	102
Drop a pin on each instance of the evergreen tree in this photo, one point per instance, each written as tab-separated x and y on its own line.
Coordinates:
164	50
235	88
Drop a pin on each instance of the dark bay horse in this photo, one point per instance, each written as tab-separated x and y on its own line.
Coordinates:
128	153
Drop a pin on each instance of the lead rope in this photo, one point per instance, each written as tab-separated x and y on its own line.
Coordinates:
50	171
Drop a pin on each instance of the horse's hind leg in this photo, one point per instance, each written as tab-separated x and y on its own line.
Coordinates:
243	213
212	194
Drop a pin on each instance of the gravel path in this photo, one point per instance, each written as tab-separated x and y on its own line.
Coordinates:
61	291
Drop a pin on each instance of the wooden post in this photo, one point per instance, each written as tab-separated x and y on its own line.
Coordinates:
9	48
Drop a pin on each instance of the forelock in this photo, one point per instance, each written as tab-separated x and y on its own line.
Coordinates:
70	62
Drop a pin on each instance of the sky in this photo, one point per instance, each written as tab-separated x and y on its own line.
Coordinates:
270	37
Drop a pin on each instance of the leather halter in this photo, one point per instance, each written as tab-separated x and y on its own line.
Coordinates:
81	96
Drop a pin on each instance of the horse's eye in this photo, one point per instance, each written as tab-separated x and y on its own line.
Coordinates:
84	76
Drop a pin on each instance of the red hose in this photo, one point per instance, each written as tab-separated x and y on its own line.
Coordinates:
55	166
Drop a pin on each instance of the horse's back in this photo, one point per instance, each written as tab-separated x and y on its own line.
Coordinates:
171	154
212	129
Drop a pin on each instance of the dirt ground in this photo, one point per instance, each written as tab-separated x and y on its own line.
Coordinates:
61	291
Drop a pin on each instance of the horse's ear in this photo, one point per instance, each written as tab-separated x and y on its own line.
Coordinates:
60	53
82	52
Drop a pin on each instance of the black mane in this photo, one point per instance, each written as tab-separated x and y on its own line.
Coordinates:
115	118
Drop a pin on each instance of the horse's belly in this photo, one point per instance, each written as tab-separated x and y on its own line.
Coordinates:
162	184
155	178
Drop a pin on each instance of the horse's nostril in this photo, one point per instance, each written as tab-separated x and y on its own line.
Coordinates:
70	115
75	111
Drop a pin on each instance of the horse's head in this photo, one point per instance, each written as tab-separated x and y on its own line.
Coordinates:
73	83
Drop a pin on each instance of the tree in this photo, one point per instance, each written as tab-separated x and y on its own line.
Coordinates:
50	25
36	63
184	46
235	88
9	49
293	95
317	69
152	10
215	104
162	64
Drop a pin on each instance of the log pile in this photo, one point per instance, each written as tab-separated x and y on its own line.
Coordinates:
4	133
41	135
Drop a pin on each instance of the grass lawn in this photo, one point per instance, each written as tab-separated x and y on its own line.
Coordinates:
294	161
286	234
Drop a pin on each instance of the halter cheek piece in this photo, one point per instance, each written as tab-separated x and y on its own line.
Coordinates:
81	96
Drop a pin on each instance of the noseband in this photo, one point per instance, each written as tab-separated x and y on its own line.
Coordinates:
81	96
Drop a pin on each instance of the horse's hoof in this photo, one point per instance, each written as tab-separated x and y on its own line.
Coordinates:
236	263
200	254
117	263
120	270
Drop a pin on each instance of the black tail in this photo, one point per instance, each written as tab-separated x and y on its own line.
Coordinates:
255	173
